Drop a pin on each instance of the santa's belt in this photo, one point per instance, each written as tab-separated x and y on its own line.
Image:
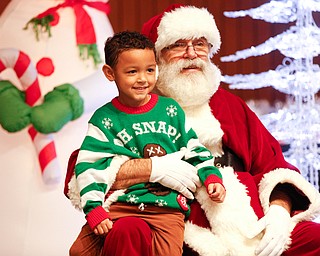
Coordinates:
229	158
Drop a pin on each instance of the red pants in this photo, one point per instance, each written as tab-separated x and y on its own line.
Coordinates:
152	232
133	237
129	236
305	240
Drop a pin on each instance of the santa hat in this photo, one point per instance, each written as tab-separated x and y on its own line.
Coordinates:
182	22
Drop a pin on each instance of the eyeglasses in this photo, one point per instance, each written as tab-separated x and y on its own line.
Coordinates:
200	46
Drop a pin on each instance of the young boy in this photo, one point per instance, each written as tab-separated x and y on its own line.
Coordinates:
138	124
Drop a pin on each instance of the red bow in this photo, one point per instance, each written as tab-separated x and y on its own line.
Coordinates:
85	34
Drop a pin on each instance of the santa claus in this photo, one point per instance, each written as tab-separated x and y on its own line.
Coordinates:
269	206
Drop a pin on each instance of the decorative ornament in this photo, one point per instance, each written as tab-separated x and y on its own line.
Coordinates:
45	67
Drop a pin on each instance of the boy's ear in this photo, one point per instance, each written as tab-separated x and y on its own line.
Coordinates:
108	72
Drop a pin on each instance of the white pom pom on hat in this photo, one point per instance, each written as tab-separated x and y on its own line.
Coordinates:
182	22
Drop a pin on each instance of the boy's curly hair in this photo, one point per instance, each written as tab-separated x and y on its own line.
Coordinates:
124	41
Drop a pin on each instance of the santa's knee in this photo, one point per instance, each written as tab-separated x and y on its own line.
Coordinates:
305	240
135	232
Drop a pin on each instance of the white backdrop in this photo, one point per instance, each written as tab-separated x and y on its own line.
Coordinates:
36	218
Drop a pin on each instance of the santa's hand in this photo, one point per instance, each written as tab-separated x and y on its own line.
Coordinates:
172	172
277	231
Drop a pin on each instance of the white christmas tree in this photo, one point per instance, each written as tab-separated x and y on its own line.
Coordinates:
297	124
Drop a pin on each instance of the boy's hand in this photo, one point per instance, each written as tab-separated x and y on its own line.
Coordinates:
104	227
216	192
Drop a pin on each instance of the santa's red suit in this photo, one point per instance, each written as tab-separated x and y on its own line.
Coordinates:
263	168
229	128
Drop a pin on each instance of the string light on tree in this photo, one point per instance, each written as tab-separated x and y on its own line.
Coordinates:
297	124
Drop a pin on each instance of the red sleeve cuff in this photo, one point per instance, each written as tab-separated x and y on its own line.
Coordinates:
212	179
97	215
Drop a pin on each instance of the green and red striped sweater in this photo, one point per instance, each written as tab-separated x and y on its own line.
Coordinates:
155	129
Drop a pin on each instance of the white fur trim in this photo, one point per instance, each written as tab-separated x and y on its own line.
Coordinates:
74	193
210	243
206	126
282	175
187	23
230	221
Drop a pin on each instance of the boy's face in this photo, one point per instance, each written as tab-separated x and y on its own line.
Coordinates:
135	76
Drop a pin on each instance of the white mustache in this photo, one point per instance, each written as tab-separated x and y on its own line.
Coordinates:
177	67
182	64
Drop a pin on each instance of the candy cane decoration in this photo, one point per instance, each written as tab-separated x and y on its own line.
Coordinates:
28	76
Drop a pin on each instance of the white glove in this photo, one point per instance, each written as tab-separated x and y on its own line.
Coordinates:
172	172
277	231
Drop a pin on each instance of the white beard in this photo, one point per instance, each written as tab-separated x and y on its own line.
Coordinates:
192	89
